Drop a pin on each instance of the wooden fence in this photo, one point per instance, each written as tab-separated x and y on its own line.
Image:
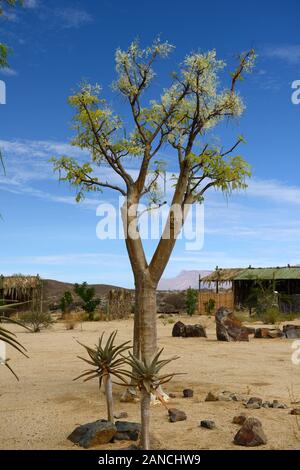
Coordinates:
222	299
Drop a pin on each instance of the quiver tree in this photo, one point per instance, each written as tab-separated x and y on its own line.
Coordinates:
107	363
180	121
147	377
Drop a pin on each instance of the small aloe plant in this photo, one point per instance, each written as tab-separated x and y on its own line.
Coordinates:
146	376
107	362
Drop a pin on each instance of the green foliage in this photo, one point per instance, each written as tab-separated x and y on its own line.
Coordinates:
147	374
181	117
9	3
87	295
191	301
209	306
105	360
4	50
262	297
271	316
36	320
66	302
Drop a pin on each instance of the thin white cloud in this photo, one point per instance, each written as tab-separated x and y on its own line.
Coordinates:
287	53
31	4
73	17
8	72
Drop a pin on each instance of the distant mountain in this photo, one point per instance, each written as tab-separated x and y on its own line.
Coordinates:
54	290
183	281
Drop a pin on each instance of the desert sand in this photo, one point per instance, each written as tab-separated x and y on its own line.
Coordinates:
41	410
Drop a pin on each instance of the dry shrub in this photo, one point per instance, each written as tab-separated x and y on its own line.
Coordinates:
71	321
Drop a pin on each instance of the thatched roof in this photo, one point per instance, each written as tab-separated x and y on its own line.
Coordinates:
222	275
19	286
265	274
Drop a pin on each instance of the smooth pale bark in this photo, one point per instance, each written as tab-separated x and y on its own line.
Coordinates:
109	398
145	415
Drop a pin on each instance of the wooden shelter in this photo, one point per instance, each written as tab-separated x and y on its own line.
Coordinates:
23	289
232	287
283	280
220	289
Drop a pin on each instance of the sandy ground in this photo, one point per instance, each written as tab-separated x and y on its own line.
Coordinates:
42	409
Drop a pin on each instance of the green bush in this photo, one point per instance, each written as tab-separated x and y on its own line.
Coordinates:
271	316
37	320
191	301
209	306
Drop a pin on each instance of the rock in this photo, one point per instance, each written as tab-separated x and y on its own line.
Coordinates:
211	397
93	434
267	404
225	396
268	333
291	331
121	415
172	395
178	329
237	397
207	424
188	331
176	415
295	412
127	431
251	434
239	419
254	400
277	404
253	406
229	328
188	393
129	396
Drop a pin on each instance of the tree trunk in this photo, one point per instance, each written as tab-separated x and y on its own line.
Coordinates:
146	295
109	398
145	415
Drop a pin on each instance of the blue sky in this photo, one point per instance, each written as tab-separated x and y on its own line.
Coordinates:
56	44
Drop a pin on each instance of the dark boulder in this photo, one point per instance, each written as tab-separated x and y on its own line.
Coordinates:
268	333
127	431
229	328
188	393
291	331
176	415
93	434
251	434
188	331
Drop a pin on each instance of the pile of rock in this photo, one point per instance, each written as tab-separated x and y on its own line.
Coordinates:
102	432
188	331
255	403
224	396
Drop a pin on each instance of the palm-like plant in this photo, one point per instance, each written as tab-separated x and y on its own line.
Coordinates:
107	362
10	338
146	376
